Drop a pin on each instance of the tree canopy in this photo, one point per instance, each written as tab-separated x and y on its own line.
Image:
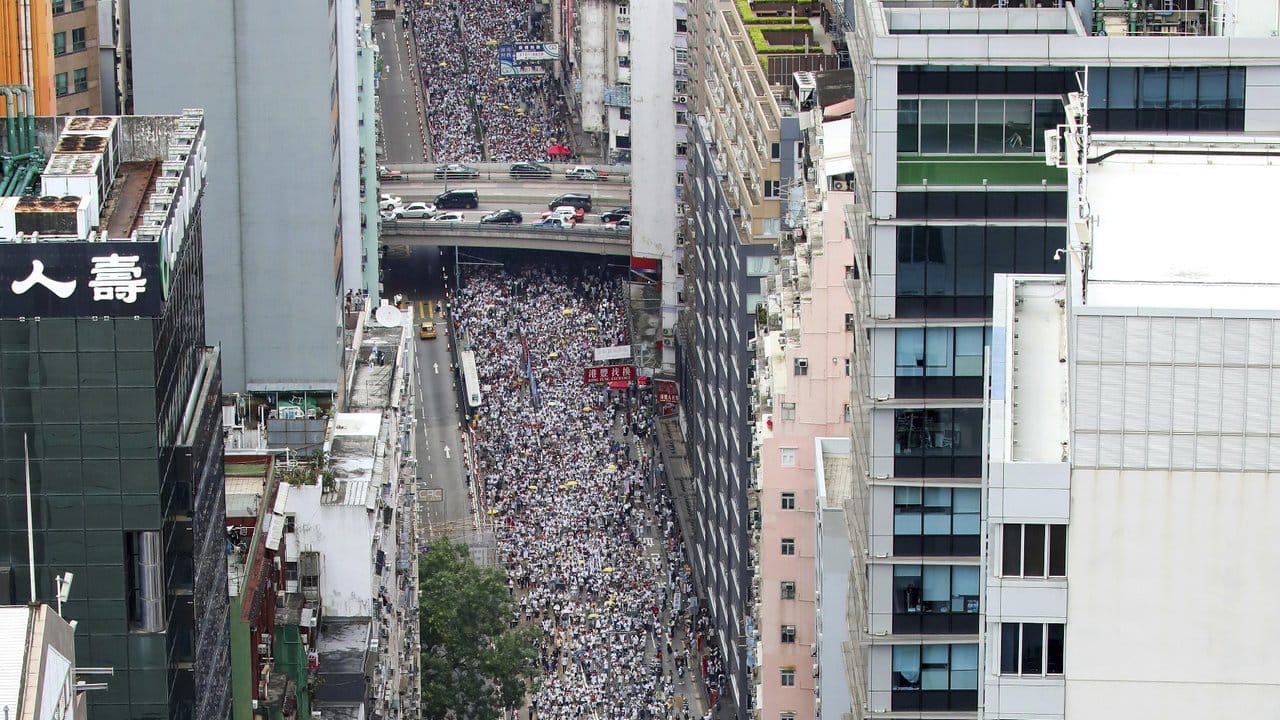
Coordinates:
474	664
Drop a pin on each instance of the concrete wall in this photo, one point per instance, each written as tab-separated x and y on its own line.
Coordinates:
270	209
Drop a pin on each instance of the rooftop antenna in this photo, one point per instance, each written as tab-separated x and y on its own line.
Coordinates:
31	542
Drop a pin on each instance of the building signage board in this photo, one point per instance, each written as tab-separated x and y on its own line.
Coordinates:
609	373
616	352
531	52
80	279
668	392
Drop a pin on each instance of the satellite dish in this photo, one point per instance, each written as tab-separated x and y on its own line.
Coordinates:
388	316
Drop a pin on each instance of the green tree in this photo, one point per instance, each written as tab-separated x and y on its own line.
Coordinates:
474	664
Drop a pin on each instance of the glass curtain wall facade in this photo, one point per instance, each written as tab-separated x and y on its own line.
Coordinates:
127	493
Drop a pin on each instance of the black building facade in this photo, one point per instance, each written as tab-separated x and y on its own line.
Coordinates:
111	399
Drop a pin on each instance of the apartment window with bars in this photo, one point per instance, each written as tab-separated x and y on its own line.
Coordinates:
788	411
789	634
788	589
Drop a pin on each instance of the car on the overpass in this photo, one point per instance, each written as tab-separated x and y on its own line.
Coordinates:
456	170
569	211
530	170
615	215
386	174
389	202
416	210
577	200
505	216
452	217
585	172
623	225
553	223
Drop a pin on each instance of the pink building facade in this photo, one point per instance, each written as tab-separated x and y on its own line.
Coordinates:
803	365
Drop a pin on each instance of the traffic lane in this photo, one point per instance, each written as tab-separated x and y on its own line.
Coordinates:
439	443
503	176
524	204
398	94
471	220
505	185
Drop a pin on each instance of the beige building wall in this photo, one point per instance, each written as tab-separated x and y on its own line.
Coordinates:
77	78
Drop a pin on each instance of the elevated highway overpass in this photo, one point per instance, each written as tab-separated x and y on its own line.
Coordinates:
591	240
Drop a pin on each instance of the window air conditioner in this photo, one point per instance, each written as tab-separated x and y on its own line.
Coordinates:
681	99
839	185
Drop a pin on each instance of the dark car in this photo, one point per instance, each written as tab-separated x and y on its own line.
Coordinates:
530	170
456	170
577	200
615	215
458	200
505	216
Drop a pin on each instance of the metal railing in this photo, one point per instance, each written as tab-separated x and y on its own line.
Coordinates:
597	239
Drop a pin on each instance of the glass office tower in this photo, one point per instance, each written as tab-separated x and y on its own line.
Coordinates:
109	399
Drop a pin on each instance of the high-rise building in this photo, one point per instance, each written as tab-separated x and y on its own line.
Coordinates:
85	38
38	665
26	53
109	399
283	206
1134	441
952	189
743	149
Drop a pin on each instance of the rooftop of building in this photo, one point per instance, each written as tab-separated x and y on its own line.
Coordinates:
375	363
251	482
343	649
99	178
834	471
1037	32
1147	250
1029	373
353	456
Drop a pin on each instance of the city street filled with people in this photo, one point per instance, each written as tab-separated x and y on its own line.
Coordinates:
473	112
569	481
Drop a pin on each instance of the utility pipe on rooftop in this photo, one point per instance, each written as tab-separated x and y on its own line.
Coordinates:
28	55
30	146
26	103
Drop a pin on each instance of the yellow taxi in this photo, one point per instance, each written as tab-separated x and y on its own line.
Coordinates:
427	331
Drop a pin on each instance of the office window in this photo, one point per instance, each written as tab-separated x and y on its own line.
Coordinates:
787	457
801	366
77	40
59	6
1031	648
788	590
788	546
60	84
787	676
761	265
788	633
81	78
975	126
788	501
939	352
938	443
1179	98
82	111
788	411
946	674
77	5
935	521
59	43
1031	550
949	271
935	599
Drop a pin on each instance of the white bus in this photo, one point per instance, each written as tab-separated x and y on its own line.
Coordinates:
470	380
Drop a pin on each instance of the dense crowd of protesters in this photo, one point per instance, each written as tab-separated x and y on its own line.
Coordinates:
473	111
589	539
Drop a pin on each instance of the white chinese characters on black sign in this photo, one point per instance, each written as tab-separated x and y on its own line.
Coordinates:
80	279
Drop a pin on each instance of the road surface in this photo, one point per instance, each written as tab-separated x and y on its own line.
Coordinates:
398	91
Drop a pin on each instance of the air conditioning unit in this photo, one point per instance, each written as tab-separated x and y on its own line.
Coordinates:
668	333
681	99
839	185
263	649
